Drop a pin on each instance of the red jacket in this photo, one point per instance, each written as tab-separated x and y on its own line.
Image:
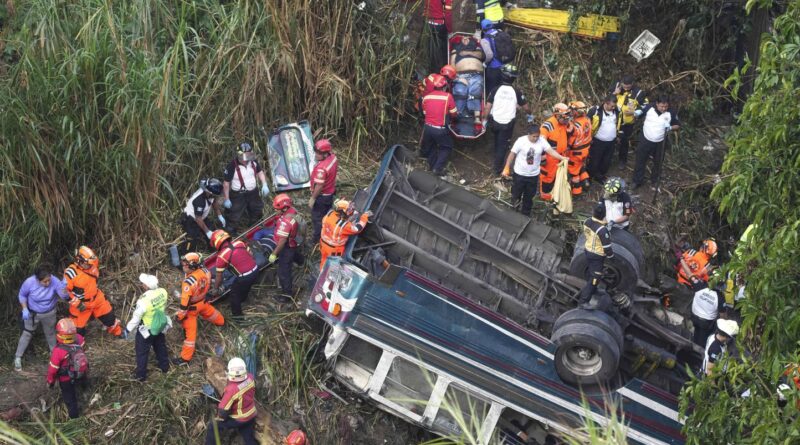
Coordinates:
325	173
239	400
58	361
235	255
440	11
436	106
287	227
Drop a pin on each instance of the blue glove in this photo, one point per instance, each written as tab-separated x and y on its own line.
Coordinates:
227	204
221	220
530	118
667	126
264	189
637	113
26	314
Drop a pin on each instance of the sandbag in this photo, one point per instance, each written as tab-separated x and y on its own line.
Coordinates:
562	191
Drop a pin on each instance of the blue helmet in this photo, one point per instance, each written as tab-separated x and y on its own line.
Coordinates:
486	24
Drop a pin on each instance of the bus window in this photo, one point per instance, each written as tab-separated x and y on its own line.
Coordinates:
514	428
357	361
461	414
408	385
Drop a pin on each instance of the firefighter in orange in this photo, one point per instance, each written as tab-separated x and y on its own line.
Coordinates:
193	303
337	228
695	265
556	130
579	143
86	300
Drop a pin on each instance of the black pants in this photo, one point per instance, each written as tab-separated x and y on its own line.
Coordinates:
644	152
702	329
288	257
69	393
143	345
196	238
436	146
240	290
245	429
594	273
524	188
502	143
493	78
626	131
601	153
249	201
437	47
322	205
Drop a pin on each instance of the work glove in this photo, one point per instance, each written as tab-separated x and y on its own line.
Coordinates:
221	220
26	314
637	113
369	214
264	189
477	35
530	118
227	204
180	315
506	172
272	258
208	234
667	126
311	202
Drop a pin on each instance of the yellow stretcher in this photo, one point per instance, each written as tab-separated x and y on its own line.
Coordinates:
593	26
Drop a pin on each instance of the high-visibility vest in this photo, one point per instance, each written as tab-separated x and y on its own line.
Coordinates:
155	301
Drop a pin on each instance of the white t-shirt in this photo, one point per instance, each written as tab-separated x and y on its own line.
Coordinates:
706	304
524	150
654	127
505	100
607	130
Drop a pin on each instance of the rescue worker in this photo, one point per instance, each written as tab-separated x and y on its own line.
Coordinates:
579	142
323	184
87	301
696	264
439	20
194	219
526	158
605	125
598	249
150	321
69	342
501	107
491	10
629	99
194	288
717	344
448	72
296	437
438	107
492	63
618	204
706	308
337	228
240	187
658	121
287	251
556	130
234	256
38	296
237	408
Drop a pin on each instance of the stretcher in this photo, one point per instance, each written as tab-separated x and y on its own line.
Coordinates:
290	150
464	126
592	26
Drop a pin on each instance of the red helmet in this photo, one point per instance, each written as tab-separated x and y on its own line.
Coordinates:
323	146
65	330
218	237
438	80
448	71
296	437
282	202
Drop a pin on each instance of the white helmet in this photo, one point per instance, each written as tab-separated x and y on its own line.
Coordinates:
728	327
237	370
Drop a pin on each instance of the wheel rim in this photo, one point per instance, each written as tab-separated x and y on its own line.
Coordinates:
582	361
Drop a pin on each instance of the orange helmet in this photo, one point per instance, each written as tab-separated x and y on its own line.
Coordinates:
282	202
218	237
560	109
323	146
448	71
344	206
709	247
438	80
192	259
85	257
578	106
296	437
65	330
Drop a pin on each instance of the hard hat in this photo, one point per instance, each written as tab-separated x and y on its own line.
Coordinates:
510	71
65	330
486	24
560	109
710	247
282	202
244	152
323	146
448	71
149	281
211	185
191	259
578	106
85	255
237	370
344	206
613	186
296	437
438	80
728	327
218	237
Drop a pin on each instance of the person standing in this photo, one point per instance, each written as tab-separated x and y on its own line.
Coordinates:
194	219
337	227
150	321
717	344
658	121
87	301
706	307
618	204
287	250
490	10
556	130
68	364
235	256
579	143
501	108
240	187
605	125
439	20
438	107
695	265
237	408
598	249
38	296
629	100
194	288
323	184
526	159
492	60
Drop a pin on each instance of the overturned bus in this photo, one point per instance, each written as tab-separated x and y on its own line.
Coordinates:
461	317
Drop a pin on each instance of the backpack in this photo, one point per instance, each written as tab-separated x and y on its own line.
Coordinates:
77	363
504	48
158	323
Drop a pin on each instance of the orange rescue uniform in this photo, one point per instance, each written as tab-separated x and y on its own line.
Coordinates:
93	300
335	232
697	260
193	302
579	143
557	135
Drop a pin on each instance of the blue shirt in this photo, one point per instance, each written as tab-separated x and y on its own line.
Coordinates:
41	299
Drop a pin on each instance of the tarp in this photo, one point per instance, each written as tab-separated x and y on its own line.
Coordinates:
593	26
290	150
562	191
